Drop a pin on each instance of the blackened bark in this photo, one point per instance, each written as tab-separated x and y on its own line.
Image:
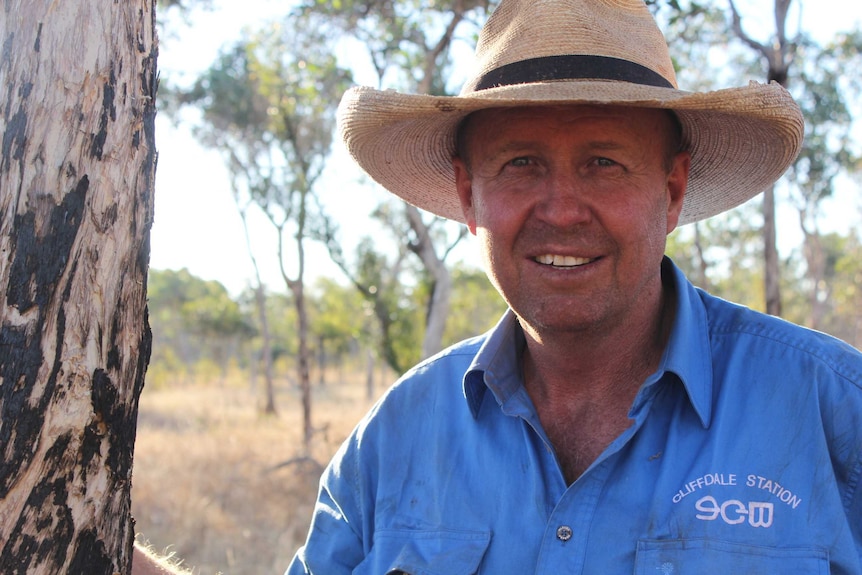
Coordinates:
77	162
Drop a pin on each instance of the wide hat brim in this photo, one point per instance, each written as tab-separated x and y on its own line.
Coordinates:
741	140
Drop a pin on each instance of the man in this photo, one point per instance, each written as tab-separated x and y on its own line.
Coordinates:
617	420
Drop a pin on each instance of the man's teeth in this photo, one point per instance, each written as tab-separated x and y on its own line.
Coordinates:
562	261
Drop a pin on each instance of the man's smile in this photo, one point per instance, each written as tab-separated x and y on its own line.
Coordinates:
562	261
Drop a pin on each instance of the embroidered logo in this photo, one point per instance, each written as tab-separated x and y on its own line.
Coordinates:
758	511
735	512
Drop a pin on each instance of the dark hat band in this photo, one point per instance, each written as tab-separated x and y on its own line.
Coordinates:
570	67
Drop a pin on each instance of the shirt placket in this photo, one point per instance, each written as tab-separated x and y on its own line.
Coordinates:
566	540
567	533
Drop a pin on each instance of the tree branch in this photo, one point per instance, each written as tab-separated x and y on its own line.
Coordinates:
736	23
781	9
432	55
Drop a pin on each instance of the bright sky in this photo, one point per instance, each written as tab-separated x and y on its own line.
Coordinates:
197	225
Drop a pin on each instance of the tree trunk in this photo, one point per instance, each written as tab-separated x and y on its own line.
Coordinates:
438	311
815	270
772	271
369	376
777	54
438	303
266	348
703	277
321	360
260	305
303	363
78	82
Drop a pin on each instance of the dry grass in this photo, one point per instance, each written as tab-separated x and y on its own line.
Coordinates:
207	482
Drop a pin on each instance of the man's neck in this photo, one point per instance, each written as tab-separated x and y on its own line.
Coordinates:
583	385
601	363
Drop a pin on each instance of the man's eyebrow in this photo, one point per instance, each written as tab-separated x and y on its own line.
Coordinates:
606	145
494	150
517	145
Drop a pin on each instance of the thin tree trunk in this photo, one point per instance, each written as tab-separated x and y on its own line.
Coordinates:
815	261
297	288
321	360
369	376
778	56
772	271
78	82
703	278
303	363
266	351
438	303
260	305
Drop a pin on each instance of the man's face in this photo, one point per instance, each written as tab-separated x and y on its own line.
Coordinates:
572	206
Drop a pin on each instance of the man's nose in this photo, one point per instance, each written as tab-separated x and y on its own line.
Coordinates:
564	200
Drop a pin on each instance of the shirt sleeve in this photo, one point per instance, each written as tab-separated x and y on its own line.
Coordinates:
335	544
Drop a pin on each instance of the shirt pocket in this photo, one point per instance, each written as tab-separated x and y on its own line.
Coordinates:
695	556
437	552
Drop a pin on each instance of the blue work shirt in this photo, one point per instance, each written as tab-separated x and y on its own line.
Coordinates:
744	455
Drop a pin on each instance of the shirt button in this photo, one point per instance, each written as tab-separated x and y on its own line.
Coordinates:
564	532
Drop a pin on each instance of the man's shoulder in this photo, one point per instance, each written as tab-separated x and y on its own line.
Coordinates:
734	325
435	381
426	402
443	371
458	356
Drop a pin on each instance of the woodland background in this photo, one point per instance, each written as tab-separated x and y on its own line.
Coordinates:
249	393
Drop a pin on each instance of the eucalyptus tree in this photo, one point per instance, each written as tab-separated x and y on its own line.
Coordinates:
712	43
828	87
777	51
410	45
244	204
821	79
696	30
386	280
268	106
76	175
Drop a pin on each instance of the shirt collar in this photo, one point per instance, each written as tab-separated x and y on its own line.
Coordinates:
688	354
497	365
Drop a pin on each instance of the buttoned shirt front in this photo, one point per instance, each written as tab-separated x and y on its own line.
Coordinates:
744	455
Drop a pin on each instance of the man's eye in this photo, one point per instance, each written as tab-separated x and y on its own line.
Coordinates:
605	162
520	162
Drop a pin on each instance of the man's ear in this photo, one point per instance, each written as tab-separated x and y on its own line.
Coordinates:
677	183
464	186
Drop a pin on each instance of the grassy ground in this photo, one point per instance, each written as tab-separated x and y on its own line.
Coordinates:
210	484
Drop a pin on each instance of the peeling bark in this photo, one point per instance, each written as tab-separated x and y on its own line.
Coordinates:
77	163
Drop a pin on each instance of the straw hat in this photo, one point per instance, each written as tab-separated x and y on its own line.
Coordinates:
550	52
